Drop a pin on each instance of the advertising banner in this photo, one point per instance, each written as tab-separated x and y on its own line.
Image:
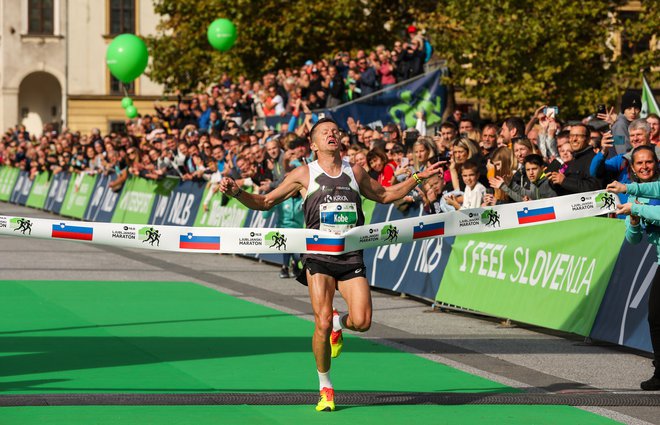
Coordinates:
21	189
413	268
218	210
8	177
623	315
179	207
136	201
39	192
399	104
256	220
103	201
553	275
57	192
81	187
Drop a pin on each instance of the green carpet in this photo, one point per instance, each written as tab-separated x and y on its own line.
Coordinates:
90	337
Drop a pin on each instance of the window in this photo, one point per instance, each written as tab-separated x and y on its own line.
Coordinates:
40	17
122	17
118	127
117	89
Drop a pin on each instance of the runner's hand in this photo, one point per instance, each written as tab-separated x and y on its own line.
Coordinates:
430	171
616	187
229	186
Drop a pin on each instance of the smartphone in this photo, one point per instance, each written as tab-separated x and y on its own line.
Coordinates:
619	140
490	191
404	162
551	111
601	109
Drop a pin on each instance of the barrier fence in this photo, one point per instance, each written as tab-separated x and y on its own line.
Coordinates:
577	276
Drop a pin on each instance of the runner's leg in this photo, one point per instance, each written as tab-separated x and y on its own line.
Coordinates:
357	295
321	293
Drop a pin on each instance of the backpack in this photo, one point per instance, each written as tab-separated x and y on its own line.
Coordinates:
428	50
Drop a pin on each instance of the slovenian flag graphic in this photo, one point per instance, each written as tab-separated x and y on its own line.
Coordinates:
80	233
190	241
427	230
527	215
317	243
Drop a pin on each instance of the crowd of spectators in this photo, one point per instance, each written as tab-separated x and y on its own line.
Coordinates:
221	132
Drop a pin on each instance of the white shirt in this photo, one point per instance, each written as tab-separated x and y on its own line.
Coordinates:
472	197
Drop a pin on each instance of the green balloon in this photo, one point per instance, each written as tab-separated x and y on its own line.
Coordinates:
221	34
126	102
131	111
127	57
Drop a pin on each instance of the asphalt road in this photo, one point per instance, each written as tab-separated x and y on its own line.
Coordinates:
520	356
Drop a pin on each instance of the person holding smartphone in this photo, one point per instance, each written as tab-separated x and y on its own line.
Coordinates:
616	168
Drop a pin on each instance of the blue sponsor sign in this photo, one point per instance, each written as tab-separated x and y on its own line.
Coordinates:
21	189
103	200
413	268
623	314
57	192
180	207
399	104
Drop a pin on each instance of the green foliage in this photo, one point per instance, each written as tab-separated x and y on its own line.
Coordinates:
515	55
271	34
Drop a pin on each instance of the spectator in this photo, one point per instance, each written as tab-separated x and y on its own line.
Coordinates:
539	185
382	168
474	191
643	216
367	80
577	178
513	128
630	107
654	122
616	168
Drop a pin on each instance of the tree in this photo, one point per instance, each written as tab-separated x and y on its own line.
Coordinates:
272	34
514	55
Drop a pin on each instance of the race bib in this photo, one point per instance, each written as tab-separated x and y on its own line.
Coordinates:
338	217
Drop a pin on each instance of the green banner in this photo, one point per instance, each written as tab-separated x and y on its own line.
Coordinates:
220	211
39	191
78	195
8	177
554	275
136	201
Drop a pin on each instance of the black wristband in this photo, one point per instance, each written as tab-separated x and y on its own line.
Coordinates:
235	195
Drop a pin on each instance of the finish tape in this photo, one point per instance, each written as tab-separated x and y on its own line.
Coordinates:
228	240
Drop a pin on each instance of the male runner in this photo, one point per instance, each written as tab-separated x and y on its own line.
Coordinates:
332	190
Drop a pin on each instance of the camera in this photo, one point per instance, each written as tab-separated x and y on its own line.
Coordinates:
601	109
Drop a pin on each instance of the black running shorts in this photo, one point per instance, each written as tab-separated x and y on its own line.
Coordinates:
339	271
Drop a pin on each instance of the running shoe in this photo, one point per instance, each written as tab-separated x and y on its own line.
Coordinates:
336	339
326	400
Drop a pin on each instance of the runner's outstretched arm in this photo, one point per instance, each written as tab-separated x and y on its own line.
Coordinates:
373	190
291	185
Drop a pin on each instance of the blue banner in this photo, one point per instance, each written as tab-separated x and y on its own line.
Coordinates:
413	268
623	313
21	189
399	104
57	192
103	201
180	207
